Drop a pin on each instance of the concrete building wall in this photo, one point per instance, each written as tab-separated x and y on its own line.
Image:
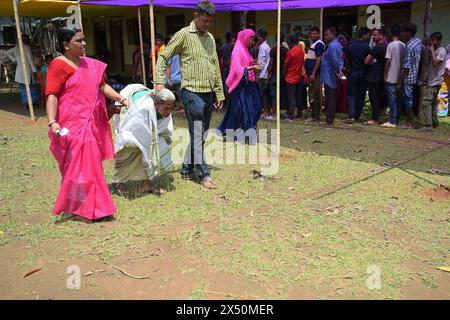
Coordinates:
268	20
223	26
440	18
88	27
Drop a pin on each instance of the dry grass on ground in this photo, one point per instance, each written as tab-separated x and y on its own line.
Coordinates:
346	198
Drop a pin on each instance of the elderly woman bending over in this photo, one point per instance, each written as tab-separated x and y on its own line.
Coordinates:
143	138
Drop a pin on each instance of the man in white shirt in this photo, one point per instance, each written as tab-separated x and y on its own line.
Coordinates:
14	55
263	61
392	71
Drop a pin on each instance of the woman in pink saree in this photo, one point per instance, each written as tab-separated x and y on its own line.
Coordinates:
79	131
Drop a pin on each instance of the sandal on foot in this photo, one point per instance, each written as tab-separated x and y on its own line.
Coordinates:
208	183
371	123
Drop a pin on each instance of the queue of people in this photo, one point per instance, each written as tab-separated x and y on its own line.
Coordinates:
405	75
336	74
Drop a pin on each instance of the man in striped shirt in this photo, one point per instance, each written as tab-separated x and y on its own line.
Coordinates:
201	85
410	73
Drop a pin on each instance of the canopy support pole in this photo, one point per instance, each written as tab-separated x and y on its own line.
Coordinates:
144	76
321	23
22	60
79	16
152	36
243	20
278	76
427	18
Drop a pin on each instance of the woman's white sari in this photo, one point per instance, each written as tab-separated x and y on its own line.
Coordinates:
142	141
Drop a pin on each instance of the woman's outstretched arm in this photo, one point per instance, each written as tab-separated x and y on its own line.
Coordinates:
112	94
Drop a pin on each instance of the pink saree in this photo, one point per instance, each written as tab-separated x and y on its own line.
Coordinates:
82	110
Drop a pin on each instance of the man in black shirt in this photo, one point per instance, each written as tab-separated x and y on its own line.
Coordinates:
357	51
226	51
298	31
272	78
375	75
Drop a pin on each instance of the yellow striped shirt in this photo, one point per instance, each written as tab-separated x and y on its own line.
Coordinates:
200	70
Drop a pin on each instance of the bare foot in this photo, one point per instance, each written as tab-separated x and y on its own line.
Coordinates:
120	189
76	217
146	187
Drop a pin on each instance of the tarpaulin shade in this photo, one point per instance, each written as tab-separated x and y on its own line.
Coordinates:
56	8
39	8
240	5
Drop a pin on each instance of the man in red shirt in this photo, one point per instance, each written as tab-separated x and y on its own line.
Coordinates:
294	71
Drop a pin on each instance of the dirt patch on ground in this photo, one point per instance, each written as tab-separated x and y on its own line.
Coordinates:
172	274
284	158
417	290
441	193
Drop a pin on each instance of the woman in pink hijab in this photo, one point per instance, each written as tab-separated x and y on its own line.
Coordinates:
245	105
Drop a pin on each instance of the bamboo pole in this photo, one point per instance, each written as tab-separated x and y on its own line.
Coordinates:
427	18
278	142
152	39
79	16
321	23
144	76
22	60
243	20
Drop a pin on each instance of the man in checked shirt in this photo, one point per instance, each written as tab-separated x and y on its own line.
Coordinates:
410	72
201	86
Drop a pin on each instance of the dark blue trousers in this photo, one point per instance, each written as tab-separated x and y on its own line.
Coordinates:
198	109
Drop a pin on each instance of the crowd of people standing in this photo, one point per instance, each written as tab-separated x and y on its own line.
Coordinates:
404	74
335	74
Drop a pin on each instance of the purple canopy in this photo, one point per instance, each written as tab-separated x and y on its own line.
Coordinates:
241	5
